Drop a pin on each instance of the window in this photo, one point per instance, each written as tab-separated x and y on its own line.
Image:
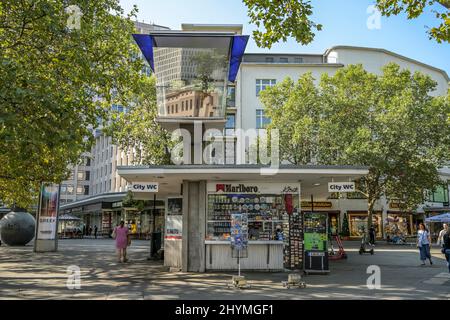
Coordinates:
182	105
298	60
440	194
269	59
87	175
86	190
70	189
261	84
190	104
284	60
71	175
230	124
80	190
87	161
80	175
261	120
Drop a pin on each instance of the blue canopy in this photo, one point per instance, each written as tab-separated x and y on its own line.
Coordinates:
146	42
445	217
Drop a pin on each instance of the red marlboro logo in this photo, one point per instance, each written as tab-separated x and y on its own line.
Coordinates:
220	187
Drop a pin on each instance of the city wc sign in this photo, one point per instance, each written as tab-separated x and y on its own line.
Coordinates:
144	187
341	187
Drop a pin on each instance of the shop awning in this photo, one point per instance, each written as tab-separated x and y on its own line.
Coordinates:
445	217
313	179
67	217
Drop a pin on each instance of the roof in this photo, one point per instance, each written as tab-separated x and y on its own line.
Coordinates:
105	197
389	53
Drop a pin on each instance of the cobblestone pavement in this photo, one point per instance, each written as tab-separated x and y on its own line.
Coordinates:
28	275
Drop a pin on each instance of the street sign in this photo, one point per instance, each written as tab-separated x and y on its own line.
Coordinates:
341	187
144	187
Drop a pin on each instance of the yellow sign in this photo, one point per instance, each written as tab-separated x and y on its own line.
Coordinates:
318	204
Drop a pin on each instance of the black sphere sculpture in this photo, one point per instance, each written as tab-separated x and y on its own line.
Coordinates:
17	228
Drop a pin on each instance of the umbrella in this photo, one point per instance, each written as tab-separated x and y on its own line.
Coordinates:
445	217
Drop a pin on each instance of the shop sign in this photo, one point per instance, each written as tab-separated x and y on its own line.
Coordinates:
116	204
319	204
341	187
144	187
241	188
253	187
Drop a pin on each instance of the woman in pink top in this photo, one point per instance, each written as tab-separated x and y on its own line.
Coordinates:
121	241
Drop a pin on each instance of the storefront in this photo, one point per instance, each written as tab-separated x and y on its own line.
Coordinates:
399	224
357	221
267	207
325	207
203	200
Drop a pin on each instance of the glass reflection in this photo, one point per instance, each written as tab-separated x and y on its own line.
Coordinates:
191	82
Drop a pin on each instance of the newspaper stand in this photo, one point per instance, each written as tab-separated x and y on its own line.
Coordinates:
239	247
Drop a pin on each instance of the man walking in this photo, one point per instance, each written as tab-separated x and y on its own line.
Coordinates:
440	240
95	231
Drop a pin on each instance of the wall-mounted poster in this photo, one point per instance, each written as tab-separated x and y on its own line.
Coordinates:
174	206
47	215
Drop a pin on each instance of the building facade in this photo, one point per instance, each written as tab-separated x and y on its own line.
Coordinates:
98	180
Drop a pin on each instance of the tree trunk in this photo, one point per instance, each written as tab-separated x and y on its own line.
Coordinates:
371	203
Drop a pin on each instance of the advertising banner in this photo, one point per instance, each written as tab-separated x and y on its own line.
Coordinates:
315	242
239	231
47	215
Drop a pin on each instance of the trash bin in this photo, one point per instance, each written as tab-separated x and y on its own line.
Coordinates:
156	243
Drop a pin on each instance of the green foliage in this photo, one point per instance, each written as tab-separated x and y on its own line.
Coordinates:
390	123
136	130
129	202
345	227
414	8
54	84
281	19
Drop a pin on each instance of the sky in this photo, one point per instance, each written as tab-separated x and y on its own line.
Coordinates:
344	23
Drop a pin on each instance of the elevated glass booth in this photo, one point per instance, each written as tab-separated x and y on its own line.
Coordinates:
192	72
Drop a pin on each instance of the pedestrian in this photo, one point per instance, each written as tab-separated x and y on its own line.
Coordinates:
121	235
440	240
95	231
446	247
423	243
372	235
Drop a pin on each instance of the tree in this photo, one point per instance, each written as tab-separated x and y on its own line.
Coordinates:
345	228
292	18
389	123
55	83
414	8
281	19
136	129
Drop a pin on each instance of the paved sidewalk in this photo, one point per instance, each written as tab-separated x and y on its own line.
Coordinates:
27	275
